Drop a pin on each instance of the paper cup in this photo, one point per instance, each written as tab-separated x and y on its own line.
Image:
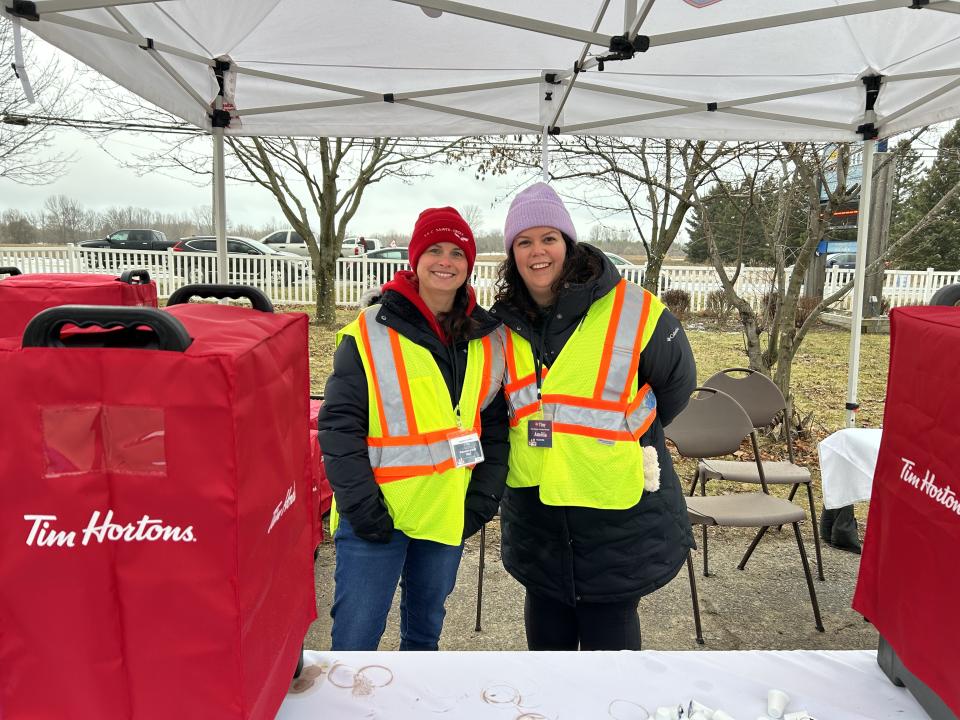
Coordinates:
697	707
777	701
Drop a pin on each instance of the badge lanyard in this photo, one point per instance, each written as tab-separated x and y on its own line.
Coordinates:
465	447
540	432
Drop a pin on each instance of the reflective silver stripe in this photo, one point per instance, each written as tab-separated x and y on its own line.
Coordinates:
498	365
386	374
419	455
625	335
641	413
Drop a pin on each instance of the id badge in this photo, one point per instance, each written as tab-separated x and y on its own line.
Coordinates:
465	448
540	433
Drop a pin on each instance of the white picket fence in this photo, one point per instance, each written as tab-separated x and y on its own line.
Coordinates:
291	280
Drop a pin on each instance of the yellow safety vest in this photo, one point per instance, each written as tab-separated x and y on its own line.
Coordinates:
598	411
411	418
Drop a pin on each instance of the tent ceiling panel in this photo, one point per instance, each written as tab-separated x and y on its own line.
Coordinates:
371	48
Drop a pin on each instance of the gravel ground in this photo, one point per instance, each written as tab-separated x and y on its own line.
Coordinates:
764	607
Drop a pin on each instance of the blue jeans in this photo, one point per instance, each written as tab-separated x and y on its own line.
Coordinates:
366	579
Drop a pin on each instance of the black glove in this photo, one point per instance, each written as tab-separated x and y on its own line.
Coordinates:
370	520
478	511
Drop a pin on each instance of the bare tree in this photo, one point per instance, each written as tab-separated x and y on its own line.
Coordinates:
27	151
773	335
473	214
64	219
651	181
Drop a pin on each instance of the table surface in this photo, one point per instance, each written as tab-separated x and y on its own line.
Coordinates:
829	685
847	461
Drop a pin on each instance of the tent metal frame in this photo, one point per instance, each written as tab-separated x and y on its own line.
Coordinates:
622	48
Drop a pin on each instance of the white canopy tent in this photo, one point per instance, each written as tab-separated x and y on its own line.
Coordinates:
824	70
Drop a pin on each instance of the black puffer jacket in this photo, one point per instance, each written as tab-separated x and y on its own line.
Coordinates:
572	554
343	425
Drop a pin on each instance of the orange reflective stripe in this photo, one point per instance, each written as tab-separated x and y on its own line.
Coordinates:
637	344
591	432
608	340
405	440
591	403
485	383
365	335
402	379
392	474
511	363
523	412
635	403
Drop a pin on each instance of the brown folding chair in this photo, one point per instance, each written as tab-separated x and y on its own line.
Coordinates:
764	403
713	424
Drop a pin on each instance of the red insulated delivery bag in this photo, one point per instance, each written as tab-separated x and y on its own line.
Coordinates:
24	295
909	578
156	558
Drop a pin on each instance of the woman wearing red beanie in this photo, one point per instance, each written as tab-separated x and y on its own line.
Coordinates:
414	435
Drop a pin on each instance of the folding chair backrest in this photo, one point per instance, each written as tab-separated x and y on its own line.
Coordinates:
712	424
756	393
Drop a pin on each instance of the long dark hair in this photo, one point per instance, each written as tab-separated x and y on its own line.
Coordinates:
579	266
457	325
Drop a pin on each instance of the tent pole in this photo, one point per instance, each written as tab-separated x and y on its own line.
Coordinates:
859	272
219	203
545	154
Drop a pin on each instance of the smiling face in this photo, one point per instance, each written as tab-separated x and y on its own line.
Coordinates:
441	269
539	253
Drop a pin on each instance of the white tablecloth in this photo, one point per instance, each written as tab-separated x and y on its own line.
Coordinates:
847	460
829	685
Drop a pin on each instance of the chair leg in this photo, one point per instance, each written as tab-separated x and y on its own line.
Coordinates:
793	493
694	598
816	532
693	485
753	546
806	571
706	566
483	544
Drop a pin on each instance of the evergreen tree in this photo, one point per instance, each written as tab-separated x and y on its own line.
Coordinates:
938	246
735	215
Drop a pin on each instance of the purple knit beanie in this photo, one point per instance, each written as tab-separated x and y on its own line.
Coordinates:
537	206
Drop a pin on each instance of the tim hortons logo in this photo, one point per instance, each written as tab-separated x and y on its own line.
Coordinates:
282	507
43	532
927	484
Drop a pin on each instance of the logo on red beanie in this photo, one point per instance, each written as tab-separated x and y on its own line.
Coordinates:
437	225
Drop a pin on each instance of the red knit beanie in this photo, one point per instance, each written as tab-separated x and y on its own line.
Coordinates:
437	225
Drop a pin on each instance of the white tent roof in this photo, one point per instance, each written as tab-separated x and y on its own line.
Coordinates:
714	69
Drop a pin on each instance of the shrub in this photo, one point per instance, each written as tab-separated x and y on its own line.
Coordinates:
678	301
805	306
719	306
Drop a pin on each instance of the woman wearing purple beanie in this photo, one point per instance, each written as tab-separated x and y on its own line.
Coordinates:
596	366
414	435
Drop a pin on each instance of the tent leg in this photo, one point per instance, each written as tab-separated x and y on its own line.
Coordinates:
863	228
219	205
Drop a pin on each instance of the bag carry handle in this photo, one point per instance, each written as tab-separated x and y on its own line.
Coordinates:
135	277
44	329
10	271
256	297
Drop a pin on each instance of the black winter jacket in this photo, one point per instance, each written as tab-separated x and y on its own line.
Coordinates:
343	426
572	554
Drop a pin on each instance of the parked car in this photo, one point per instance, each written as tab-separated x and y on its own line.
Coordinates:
842	261
379	273
287	241
132	240
356	246
286	271
617	260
